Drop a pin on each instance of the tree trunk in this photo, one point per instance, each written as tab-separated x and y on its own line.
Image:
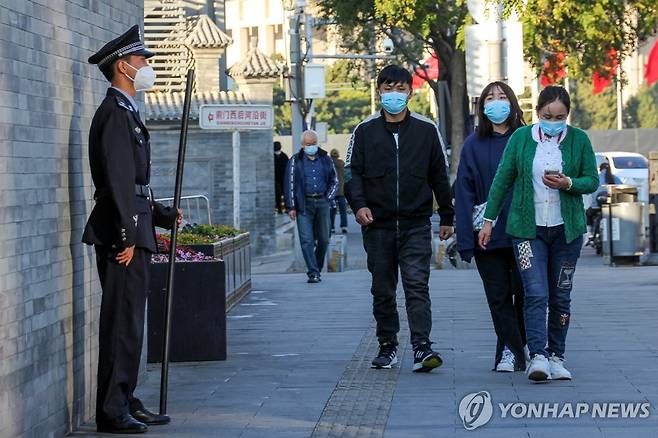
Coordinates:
459	102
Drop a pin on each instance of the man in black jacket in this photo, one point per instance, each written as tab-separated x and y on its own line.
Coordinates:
121	227
395	163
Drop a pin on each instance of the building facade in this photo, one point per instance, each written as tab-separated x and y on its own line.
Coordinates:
49	291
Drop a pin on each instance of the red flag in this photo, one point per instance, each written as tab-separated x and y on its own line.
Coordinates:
553	70
603	79
651	68
431	71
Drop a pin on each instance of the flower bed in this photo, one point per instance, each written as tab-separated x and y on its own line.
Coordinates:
224	243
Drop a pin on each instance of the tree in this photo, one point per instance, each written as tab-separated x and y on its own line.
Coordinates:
584	32
641	108
346	104
593	111
347	100
282	112
415	26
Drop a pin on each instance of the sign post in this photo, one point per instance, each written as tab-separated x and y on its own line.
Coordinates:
236	118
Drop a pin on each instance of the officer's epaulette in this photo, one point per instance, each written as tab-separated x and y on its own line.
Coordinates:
122	103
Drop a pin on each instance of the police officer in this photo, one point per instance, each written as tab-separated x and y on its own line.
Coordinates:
121	227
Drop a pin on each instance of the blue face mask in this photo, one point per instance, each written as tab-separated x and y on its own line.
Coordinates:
497	111
311	149
552	128
394	102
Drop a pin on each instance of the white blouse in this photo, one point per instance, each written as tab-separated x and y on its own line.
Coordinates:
548	156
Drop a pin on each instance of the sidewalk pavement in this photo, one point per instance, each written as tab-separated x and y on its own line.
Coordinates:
299	356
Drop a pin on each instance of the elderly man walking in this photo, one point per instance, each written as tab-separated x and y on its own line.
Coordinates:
310	188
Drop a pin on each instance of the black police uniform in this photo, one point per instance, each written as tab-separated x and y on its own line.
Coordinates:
124	215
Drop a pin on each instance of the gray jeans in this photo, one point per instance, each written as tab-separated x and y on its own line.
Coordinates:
410	251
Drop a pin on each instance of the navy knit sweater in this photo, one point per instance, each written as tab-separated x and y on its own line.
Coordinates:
477	167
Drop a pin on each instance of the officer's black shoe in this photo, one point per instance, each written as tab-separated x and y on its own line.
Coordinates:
387	356
425	360
124	424
147	417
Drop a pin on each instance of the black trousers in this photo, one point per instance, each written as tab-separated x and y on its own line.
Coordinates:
410	251
121	331
504	290
278	196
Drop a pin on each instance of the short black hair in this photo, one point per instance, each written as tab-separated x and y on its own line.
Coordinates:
277	145
393	74
108	71
553	93
515	119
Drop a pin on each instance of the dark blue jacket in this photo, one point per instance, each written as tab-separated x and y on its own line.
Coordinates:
477	167
294	190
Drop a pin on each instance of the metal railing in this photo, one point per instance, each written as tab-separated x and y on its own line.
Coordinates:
190	204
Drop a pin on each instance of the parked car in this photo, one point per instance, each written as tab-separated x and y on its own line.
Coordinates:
631	168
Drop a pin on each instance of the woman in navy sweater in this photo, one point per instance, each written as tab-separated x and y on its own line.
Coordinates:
499	115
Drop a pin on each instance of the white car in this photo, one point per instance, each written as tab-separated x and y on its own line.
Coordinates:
631	168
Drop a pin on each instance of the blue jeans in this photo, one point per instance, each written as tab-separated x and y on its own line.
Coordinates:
313	226
341	203
547	265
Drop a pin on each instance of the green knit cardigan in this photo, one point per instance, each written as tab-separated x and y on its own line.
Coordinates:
515	170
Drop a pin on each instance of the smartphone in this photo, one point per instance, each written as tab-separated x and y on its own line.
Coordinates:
551	172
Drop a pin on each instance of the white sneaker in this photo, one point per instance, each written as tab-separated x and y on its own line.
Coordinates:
506	364
539	369
558	371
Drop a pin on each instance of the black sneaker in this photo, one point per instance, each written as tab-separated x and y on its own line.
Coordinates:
313	279
387	356
425	360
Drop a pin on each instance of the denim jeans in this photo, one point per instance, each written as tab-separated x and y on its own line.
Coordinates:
313	228
547	265
410	250
341	203
504	291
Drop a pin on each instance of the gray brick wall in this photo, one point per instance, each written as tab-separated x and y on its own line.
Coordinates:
49	292
209	171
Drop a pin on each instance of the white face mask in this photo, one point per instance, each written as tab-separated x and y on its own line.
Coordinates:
144	78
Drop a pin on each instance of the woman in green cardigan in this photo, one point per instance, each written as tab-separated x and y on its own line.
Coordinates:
548	166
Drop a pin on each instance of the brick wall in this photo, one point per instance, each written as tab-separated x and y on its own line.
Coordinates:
209	171
49	292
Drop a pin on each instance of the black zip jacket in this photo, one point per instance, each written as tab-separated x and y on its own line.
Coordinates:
396	180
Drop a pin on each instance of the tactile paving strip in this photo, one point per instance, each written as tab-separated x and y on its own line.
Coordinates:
360	403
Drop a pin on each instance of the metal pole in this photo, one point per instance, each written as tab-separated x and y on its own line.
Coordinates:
610	231
373	96
236	179
164	376
496	50
308	30
296	72
620	101
349	56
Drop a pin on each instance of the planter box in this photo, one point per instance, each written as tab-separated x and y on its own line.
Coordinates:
236	254
198	320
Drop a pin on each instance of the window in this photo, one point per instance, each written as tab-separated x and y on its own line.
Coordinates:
630	162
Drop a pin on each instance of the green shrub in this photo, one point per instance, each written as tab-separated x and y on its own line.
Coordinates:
202	234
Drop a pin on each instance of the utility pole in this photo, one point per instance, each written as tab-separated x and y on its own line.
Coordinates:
620	100
309	22
496	48
295	80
